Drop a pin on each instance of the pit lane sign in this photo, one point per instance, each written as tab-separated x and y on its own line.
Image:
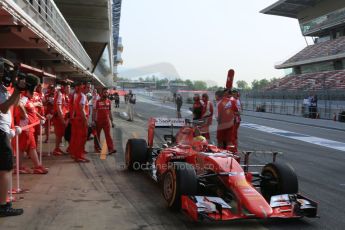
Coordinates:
168	122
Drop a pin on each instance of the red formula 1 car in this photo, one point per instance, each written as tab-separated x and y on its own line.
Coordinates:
207	182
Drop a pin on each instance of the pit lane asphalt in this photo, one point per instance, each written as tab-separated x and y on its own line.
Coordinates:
320	170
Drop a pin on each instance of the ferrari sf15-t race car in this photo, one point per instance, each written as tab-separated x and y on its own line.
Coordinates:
211	183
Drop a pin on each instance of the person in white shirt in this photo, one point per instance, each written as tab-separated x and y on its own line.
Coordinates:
6	155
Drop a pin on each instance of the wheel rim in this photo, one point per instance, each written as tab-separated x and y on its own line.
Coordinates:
270	186
168	186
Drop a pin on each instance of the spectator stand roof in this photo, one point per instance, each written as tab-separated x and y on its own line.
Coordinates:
289	8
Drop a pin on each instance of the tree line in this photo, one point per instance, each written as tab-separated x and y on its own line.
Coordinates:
201	85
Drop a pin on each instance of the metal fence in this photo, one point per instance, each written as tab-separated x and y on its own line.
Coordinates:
330	104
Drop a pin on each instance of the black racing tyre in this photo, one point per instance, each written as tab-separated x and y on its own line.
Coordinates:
180	179
136	154
278	179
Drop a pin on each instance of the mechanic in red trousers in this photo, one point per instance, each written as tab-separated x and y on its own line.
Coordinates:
28	116
38	103
79	125
48	102
59	119
102	118
237	118
227	108
207	114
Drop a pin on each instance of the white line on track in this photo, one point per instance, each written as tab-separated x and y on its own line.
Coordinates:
297	136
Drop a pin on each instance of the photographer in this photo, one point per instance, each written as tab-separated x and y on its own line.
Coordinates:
132	101
7	75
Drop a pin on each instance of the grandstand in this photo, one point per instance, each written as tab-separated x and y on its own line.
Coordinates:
320	66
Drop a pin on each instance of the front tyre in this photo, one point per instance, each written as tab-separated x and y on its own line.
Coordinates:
278	179
180	179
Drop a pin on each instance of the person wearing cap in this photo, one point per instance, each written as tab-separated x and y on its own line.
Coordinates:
101	119
59	119
227	108
6	133
207	115
38	103
79	122
29	116
48	102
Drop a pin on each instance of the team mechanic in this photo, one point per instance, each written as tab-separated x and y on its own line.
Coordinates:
101	118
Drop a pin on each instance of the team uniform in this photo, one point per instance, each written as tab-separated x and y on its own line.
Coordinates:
207	114
48	101
79	127
59	125
27	137
237	122
59	122
38	97
227	108
103	112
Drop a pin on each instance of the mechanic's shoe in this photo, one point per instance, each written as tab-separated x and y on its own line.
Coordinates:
112	152
7	210
40	170
82	160
58	152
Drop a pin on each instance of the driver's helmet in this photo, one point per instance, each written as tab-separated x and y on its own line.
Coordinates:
200	143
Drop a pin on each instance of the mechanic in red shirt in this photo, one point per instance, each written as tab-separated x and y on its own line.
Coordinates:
59	121
79	125
227	108
37	100
237	118
102	119
28	116
48	102
207	115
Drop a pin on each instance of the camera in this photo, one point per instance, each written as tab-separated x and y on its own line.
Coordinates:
9	74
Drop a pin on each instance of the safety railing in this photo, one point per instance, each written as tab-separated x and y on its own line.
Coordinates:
46	14
326	109
19	190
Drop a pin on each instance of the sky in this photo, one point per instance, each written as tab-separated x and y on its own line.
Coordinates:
203	39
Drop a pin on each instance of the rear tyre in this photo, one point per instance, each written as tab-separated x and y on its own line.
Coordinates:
278	179
136	154
180	179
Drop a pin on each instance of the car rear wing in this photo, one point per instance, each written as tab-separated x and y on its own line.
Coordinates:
162	122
